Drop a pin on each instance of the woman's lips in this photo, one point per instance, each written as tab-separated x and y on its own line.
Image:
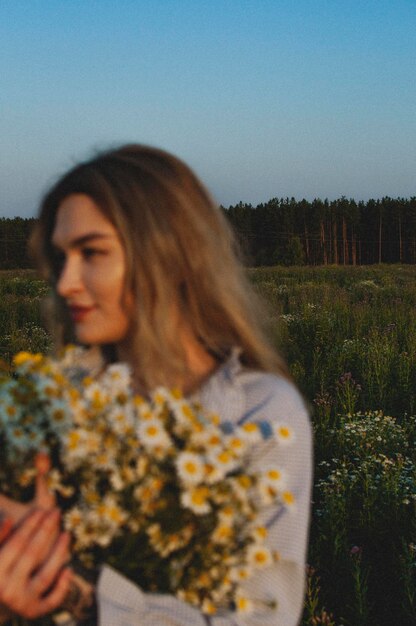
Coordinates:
78	313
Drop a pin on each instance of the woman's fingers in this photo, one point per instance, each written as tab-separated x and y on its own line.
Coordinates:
16	544
6	525
15	510
33	577
53	599
27	602
48	572
39	544
44	498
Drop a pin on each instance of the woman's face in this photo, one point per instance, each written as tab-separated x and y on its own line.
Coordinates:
93	271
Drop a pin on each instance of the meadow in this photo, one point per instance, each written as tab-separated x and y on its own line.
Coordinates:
349	336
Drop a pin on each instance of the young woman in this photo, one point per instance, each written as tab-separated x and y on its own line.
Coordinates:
144	269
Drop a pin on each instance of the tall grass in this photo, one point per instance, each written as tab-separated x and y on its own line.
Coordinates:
21	324
349	336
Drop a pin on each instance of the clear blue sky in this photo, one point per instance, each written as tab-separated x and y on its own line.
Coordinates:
263	98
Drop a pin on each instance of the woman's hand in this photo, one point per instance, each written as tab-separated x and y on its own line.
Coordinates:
43	499
33	576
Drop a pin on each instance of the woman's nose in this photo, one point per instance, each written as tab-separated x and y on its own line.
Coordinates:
69	281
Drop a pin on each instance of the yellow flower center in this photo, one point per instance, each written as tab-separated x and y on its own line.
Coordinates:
191	467
261	531
260	558
73	440
224	457
244	481
288	497
250	427
199	496
274	474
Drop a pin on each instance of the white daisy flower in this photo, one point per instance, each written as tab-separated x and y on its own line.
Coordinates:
259	533
208	607
226	515
109	511
274	477
223	461
184	414
160	396
73	518
152	434
235	444
222	534
243	604
259	556
284	434
96	395
249	432
212	474
122	419
209	437
117	481
289	500
268	493
190	468
240	573
118	377
92	442
196	500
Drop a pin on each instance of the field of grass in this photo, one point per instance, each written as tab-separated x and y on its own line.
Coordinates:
349	336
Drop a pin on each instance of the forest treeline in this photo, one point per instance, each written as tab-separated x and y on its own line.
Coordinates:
341	232
14	235
290	232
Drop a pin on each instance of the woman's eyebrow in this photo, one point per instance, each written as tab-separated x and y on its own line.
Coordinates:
80	241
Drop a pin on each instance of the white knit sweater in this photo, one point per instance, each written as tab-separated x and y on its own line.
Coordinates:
238	394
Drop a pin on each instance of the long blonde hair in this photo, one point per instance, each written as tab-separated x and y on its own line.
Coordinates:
179	250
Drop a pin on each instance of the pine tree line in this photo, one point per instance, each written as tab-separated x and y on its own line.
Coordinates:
321	232
14	234
290	232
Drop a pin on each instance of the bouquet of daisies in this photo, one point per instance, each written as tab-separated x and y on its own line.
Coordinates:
152	486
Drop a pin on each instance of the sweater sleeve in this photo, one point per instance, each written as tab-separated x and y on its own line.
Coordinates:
122	603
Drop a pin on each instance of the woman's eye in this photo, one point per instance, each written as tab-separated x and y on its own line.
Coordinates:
88	253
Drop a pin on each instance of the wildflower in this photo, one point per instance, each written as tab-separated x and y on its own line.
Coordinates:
223	533
190	468
73	518
259	556
196	500
110	511
250	432
26	358
284	433
223	461
236	445
243	604
259	533
288	499
208	607
240	574
152	434
275	478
